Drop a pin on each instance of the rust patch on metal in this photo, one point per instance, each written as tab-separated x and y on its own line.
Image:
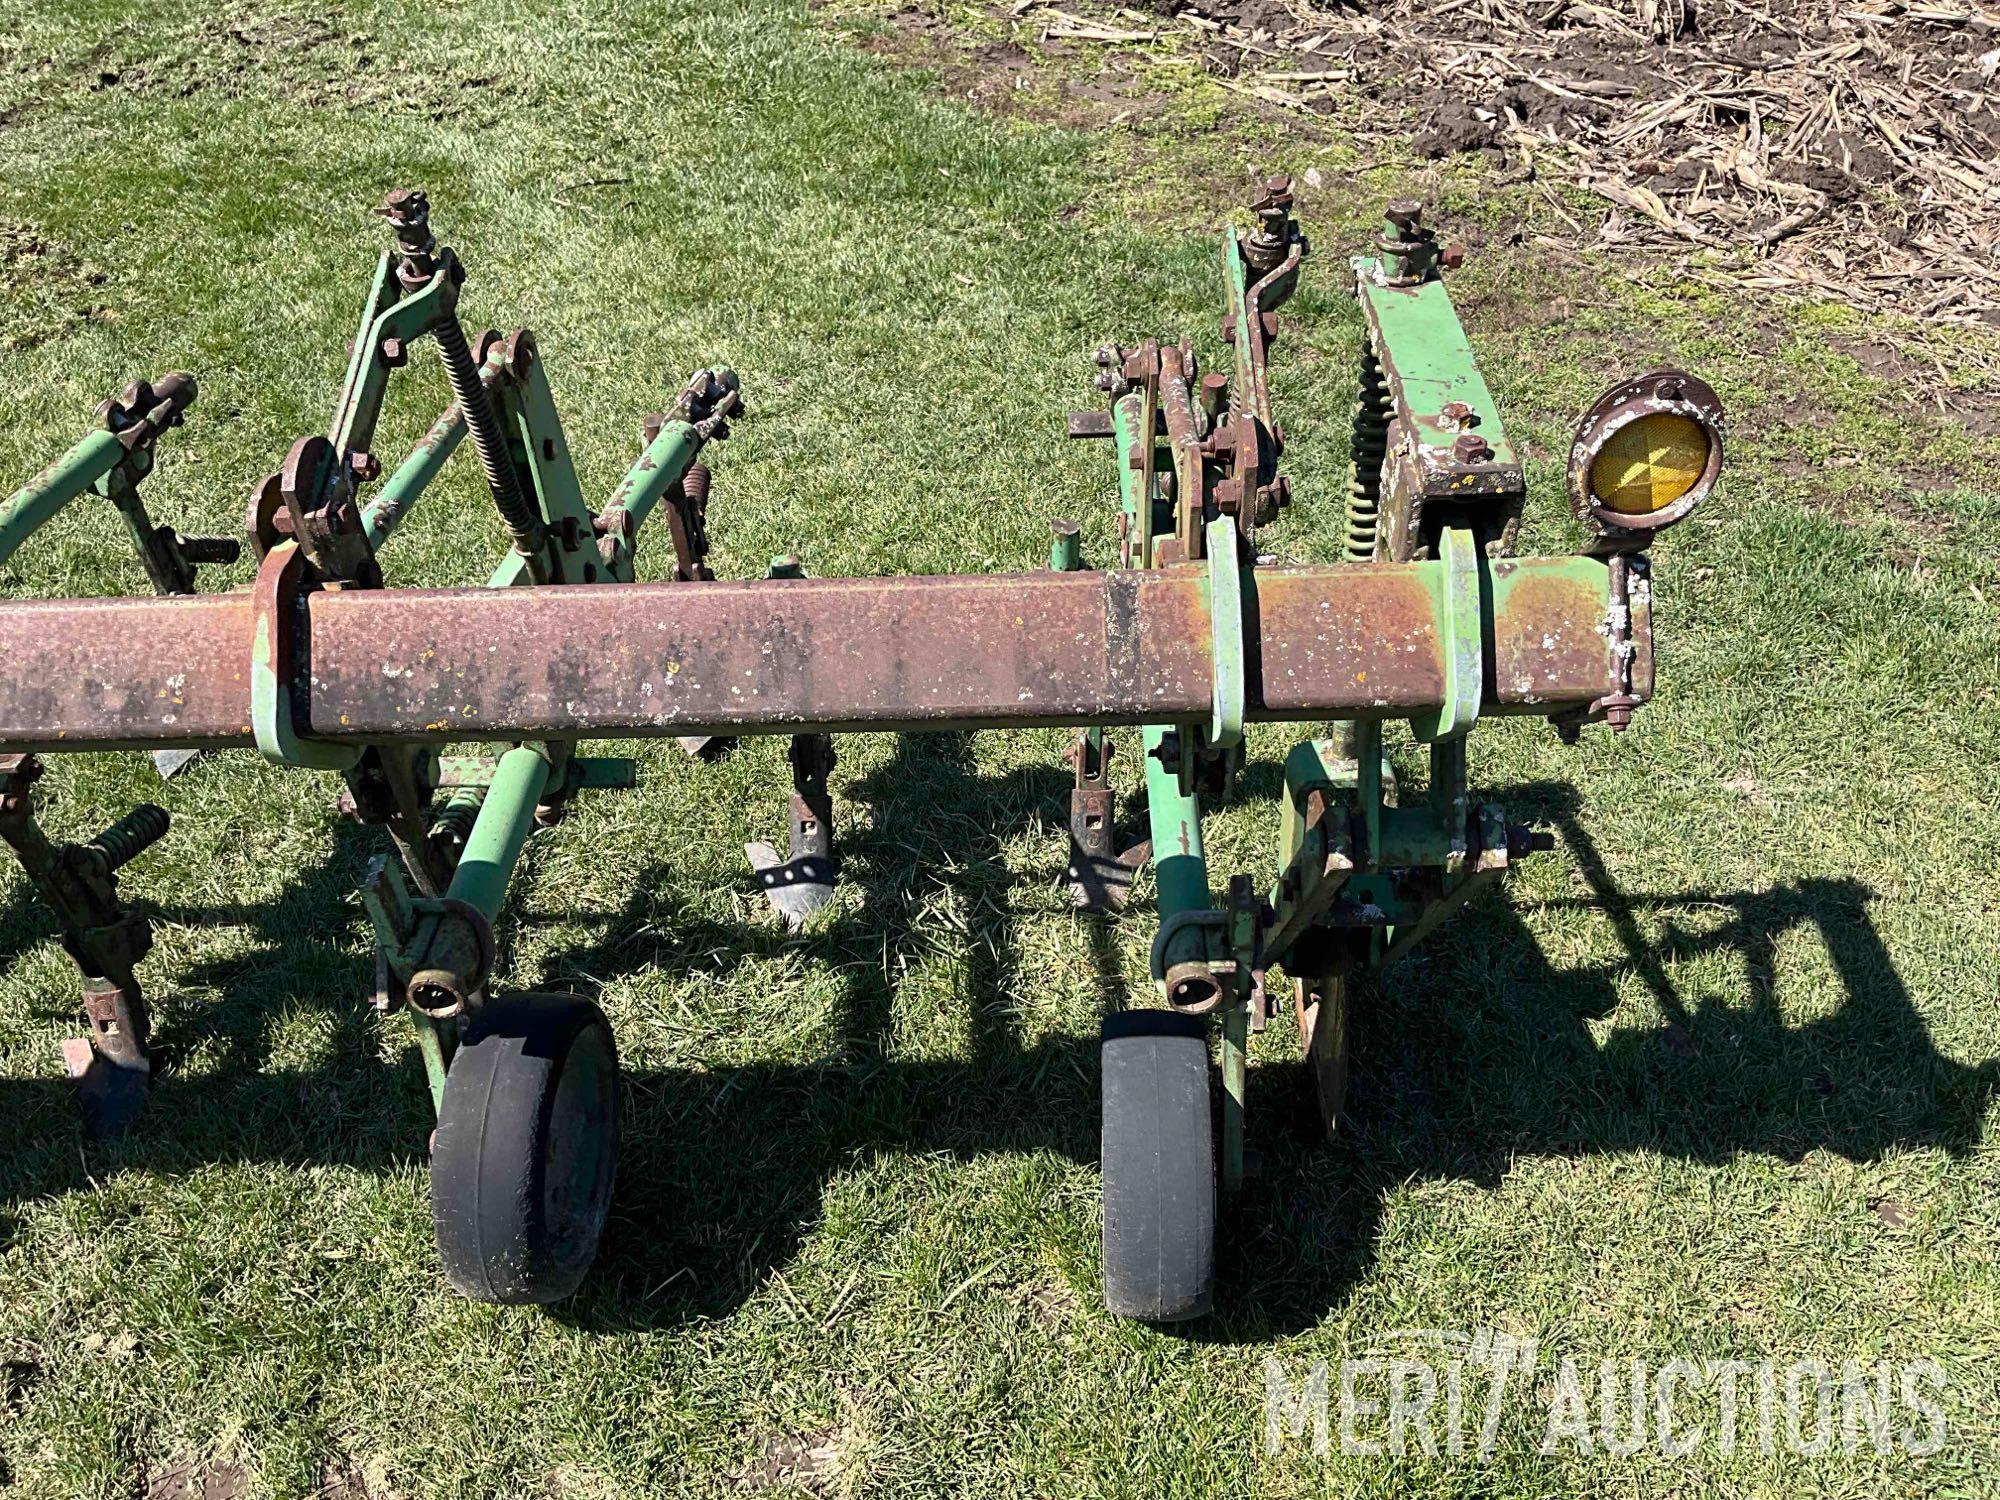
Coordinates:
126	674
777	655
1364	635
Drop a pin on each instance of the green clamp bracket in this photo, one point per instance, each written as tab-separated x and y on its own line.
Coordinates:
1225	624
392	320
1461	627
278	622
1200	918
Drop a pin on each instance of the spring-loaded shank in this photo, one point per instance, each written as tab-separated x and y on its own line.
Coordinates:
409	216
1372	411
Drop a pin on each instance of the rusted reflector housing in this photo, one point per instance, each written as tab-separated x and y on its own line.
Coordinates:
778	656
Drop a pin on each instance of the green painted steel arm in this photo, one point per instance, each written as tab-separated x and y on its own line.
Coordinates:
71	476
399	495
1180	867
506	818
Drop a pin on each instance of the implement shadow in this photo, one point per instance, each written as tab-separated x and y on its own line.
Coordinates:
351	1109
1470	1054
1476	1051
722	1172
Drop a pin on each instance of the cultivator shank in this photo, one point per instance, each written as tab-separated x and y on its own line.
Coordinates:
1194	635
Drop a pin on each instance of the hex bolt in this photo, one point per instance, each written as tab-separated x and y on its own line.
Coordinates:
1456	414
1407	214
131	836
1471	448
1276	205
1265	247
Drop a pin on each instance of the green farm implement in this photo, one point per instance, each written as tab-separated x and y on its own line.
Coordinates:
455	716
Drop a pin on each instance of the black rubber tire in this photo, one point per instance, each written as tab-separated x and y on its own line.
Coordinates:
1159	1167
526	1148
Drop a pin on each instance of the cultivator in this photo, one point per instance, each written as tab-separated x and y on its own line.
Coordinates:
1190	637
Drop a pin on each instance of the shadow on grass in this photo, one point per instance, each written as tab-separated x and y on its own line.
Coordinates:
1466	1056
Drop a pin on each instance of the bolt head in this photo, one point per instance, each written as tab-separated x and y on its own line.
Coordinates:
1407	214
1471	448
408	205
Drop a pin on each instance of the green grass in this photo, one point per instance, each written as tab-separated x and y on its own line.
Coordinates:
857	1209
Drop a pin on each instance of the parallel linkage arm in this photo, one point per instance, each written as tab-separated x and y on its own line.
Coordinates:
110	463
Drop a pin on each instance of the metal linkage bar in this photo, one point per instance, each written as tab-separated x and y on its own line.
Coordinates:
105	937
799	655
110	463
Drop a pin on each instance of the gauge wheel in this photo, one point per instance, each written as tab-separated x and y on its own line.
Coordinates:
1158	1167
526	1148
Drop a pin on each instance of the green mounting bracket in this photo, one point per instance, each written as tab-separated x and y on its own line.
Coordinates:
273	662
1462	625
387	317
1225	624
1425	349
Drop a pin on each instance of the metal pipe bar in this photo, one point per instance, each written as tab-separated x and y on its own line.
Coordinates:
400	493
790	656
506	818
663	464
64	480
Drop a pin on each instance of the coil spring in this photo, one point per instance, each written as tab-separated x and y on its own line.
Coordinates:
483	426
1372	411
128	838
453	824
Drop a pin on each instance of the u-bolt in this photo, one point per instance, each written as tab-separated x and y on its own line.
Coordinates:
409	215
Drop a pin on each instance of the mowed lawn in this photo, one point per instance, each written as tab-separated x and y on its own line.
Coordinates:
1713	1080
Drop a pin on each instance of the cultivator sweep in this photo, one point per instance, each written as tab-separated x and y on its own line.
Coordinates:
1192	635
